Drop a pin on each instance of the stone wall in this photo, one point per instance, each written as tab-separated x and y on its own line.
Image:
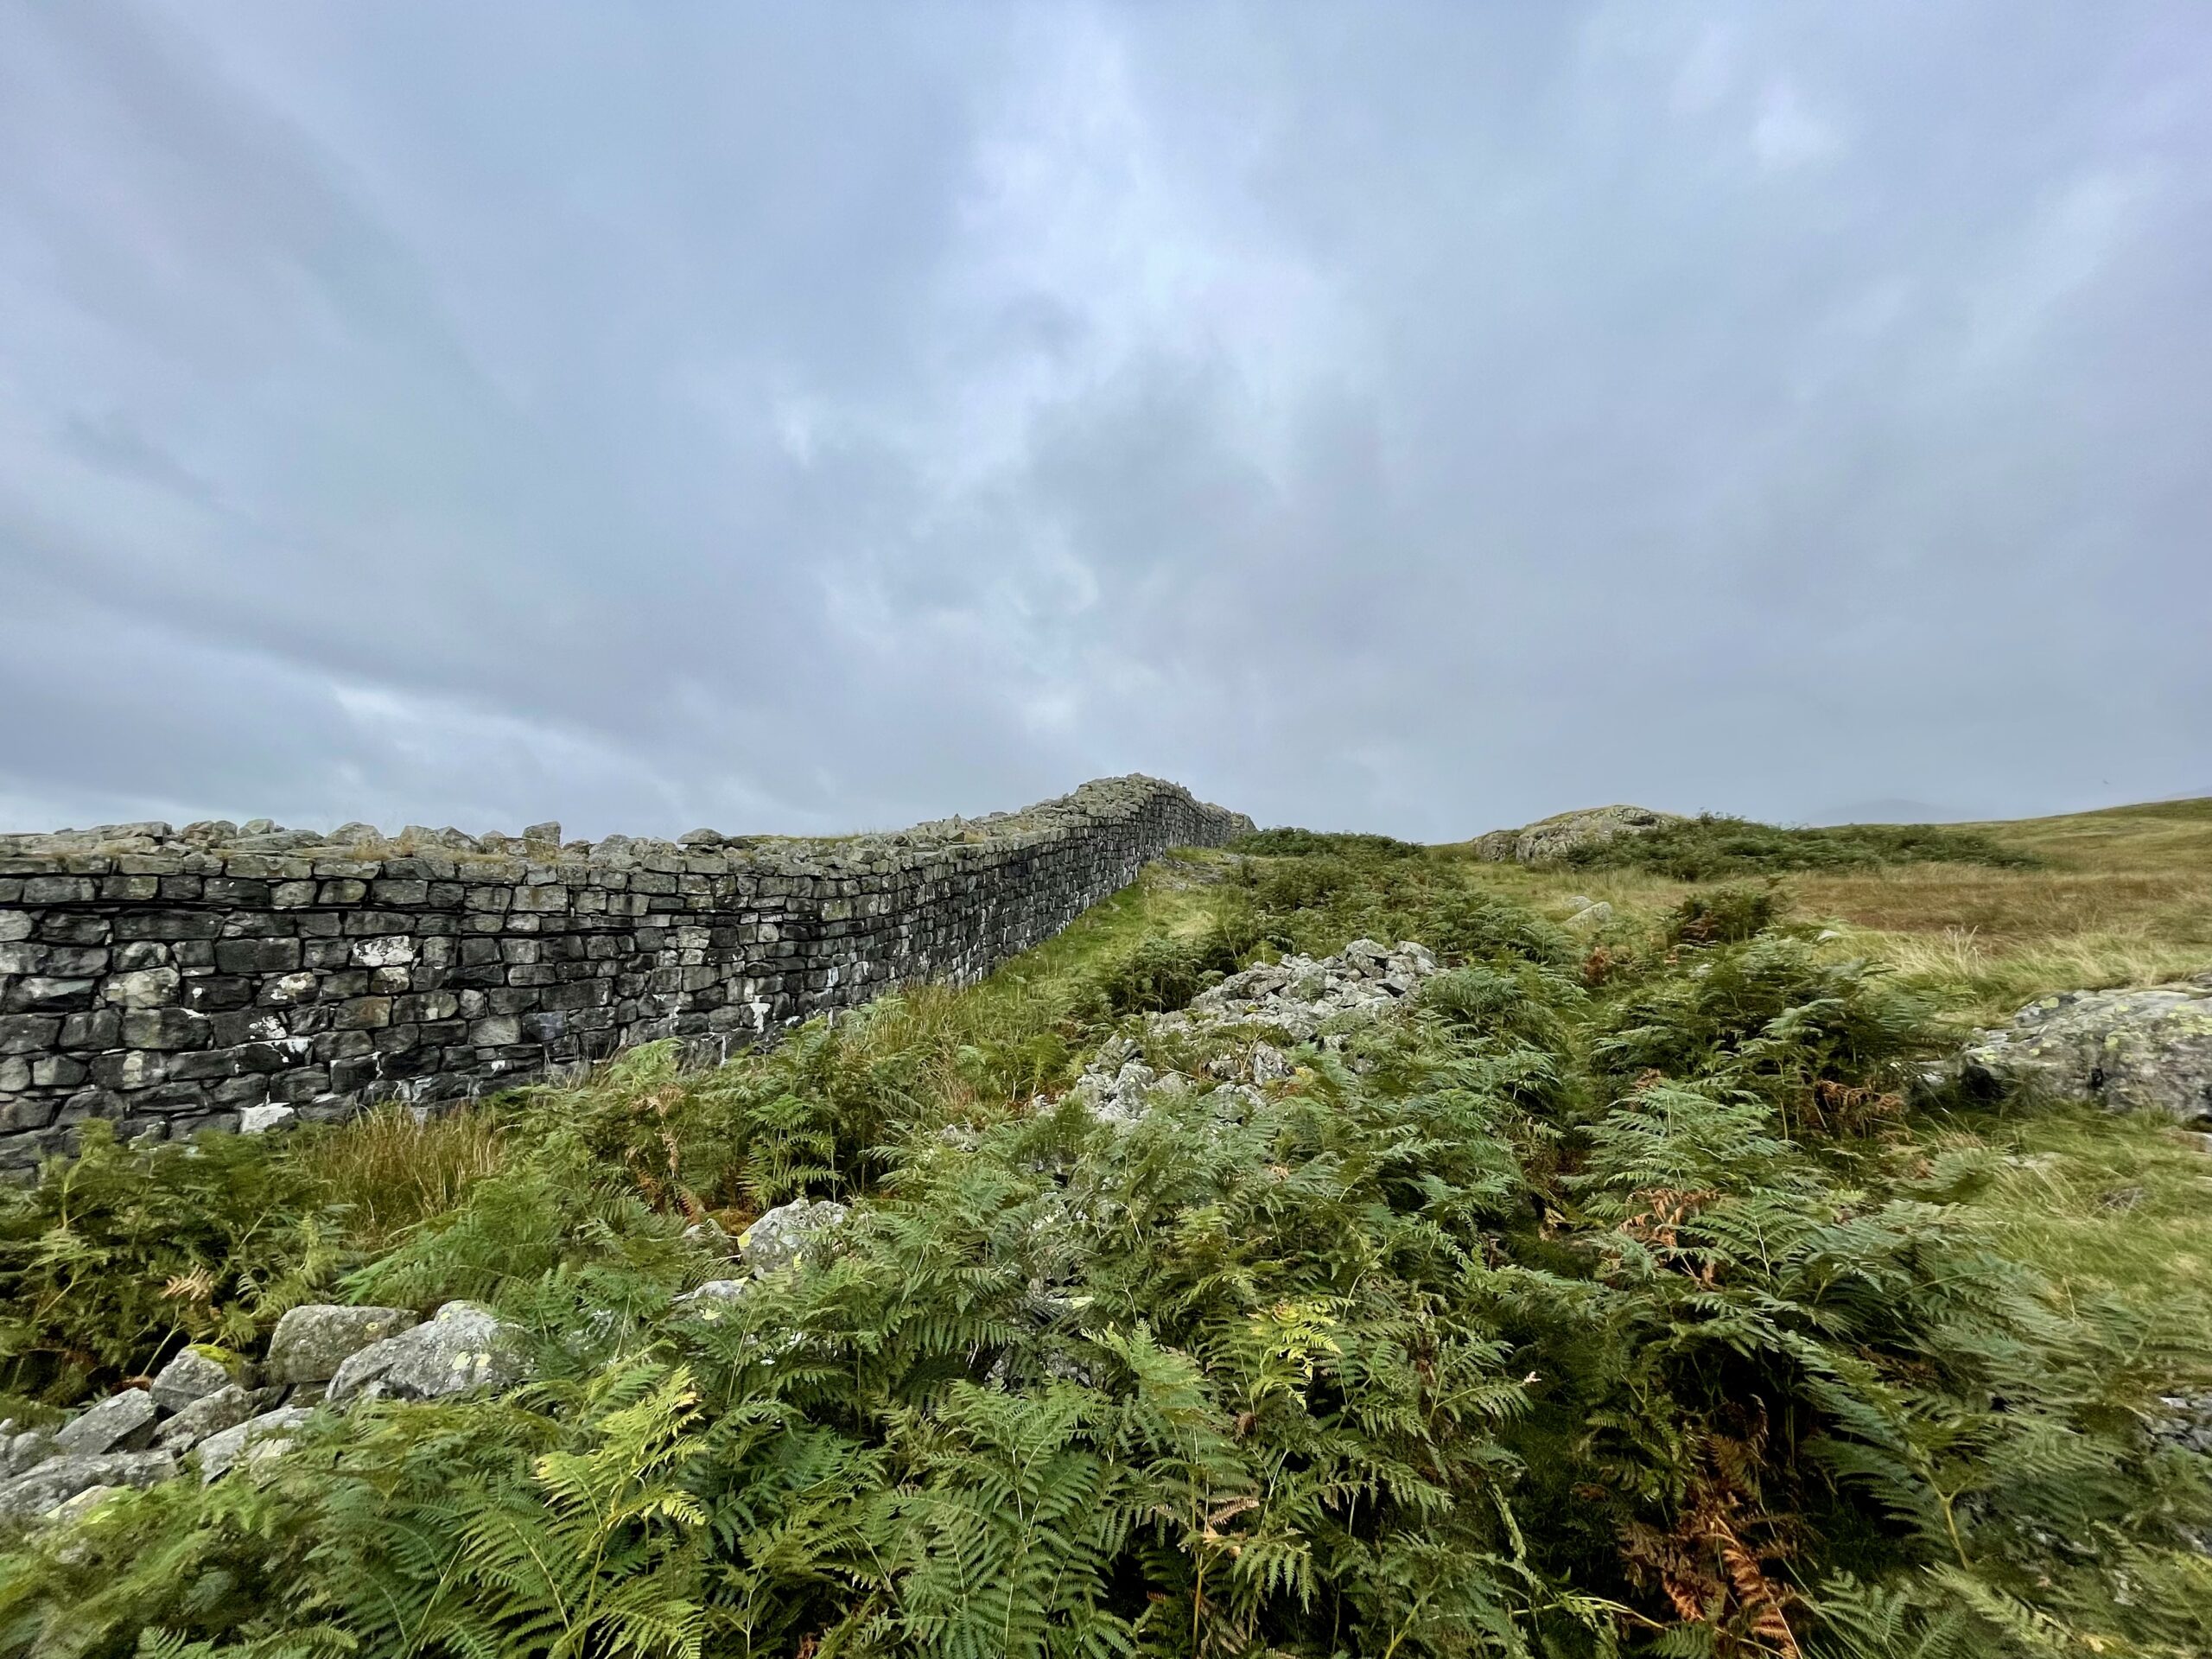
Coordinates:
170	981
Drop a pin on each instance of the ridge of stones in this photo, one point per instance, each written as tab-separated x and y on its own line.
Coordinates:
1103	800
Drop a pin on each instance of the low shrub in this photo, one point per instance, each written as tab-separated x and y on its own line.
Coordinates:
1710	848
1311	843
1726	915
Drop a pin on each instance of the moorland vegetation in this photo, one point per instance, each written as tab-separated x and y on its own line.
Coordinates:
1634	1292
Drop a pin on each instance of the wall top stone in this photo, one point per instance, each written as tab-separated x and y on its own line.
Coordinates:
66	862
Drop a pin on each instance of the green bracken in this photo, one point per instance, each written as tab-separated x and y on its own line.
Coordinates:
1617	1298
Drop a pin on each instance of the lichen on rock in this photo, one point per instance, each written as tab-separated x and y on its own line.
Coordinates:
2146	1050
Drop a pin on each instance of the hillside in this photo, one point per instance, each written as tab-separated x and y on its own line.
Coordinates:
2121	896
1206	1280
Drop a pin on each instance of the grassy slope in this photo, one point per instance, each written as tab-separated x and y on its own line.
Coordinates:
2120	897
2113	1211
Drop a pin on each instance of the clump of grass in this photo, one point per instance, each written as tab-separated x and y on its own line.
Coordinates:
390	1169
1984	979
1709	846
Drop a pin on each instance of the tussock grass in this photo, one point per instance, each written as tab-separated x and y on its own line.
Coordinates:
2109	1205
388	1170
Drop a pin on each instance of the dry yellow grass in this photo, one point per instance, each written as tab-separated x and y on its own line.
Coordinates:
391	1171
2123	897
2120	897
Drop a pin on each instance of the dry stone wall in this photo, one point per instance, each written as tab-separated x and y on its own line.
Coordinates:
170	981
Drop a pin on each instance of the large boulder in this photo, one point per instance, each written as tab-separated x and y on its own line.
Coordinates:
59	1479
122	1422
2131	1051
465	1347
310	1342
1553	840
1298	998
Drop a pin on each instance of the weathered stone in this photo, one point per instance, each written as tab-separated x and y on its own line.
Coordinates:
2146	1050
25	1451
226	1408
75	1509
1553	840
254	1440
789	1233
149	987
464	1347
229	969
311	1342
122	1422
712	1300
45	993
59	1479
165	1028
187	1377
259	1120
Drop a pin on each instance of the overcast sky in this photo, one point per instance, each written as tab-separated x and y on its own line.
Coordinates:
820	416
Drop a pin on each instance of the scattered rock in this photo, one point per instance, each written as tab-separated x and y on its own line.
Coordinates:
226	1408
122	1422
1298	999
257	1438
1552	839
59	1479
73	1509
25	1451
187	1377
1592	915
2186	1422
464	1347
712	1299
2131	1050
310	1342
787	1233
258	1120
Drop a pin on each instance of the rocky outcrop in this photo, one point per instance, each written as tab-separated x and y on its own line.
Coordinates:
2131	1051
1553	840
234	977
1244	1026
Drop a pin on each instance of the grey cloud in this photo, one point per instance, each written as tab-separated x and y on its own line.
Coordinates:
1419	417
